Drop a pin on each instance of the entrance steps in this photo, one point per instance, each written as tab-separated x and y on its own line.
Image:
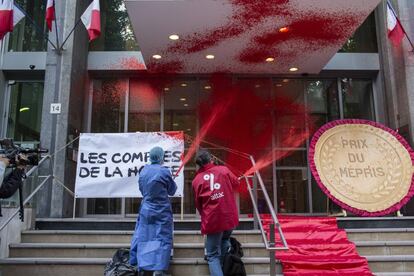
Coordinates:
80	252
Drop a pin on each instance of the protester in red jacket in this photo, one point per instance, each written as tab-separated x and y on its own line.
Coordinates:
214	191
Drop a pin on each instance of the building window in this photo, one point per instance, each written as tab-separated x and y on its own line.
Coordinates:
172	104
108	107
25	36
144	114
25	111
364	40
117	33
180	104
144	106
108	115
323	103
358	102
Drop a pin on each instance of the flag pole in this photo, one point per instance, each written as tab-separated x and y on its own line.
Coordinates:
35	25
402	26
70	33
57	32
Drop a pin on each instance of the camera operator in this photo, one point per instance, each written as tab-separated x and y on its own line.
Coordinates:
4	163
13	180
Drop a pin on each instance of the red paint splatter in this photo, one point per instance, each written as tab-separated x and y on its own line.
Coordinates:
170	67
215	115
128	63
250	122
146	97
131	63
246	15
308	34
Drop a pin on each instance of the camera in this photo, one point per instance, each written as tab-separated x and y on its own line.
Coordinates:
32	66
19	156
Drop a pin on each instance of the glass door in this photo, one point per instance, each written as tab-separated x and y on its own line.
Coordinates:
292	189
107	115
144	114
25	113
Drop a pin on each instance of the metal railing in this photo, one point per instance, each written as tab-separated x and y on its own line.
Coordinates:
44	179
29	198
270	243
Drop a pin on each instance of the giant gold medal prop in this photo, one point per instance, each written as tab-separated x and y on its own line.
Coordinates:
364	167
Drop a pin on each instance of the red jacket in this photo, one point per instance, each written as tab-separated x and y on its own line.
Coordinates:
214	192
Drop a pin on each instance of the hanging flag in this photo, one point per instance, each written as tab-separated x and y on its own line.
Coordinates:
50	14
6	17
10	15
395	29
91	18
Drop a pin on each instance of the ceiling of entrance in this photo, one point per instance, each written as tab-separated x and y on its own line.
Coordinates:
244	36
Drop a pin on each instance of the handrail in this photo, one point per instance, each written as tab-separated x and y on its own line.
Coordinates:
29	173
263	232
25	202
51	176
34	168
268	244
269	206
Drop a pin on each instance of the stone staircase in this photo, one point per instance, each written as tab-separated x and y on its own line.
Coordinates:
55	250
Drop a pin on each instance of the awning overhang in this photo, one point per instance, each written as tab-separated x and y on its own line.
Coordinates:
244	36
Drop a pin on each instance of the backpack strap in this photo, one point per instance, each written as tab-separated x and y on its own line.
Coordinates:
21	210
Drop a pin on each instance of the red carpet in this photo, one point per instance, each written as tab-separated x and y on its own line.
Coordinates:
317	247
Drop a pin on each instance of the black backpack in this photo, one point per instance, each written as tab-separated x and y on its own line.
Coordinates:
119	265
233	265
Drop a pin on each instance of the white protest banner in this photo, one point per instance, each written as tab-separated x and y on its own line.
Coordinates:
108	163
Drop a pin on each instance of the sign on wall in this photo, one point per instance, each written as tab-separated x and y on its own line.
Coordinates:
108	163
363	166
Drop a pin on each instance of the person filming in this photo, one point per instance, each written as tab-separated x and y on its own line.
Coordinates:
12	181
4	163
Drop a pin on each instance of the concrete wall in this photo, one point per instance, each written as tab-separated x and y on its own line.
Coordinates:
12	232
64	83
398	74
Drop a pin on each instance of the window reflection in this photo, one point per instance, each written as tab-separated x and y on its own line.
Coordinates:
180	103
116	29
25	111
108	115
25	37
292	191
358	99
144	115
108	107
178	100
364	40
323	103
144	106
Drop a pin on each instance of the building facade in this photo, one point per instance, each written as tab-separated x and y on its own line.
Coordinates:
101	89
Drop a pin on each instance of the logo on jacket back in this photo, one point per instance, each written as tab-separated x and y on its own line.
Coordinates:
213	186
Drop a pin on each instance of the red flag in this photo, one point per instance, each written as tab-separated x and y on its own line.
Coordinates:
396	31
50	14
6	17
91	18
10	15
